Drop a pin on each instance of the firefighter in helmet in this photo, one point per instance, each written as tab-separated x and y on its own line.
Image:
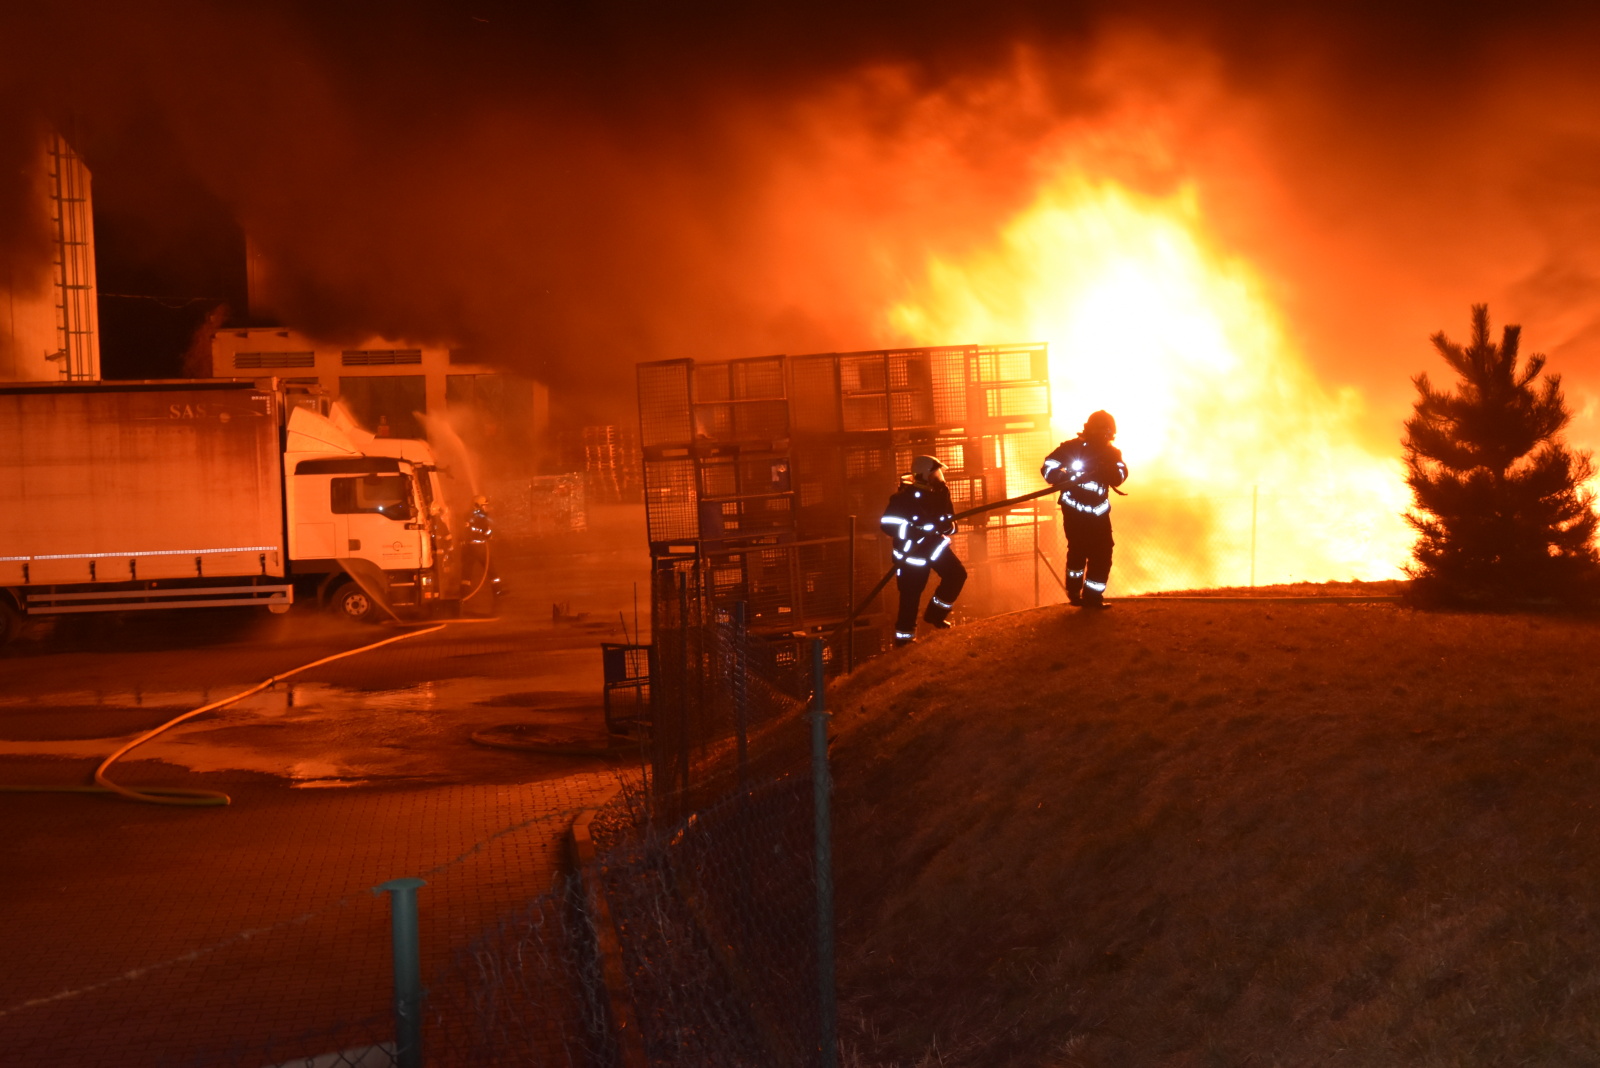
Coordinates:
477	558
920	519
1087	469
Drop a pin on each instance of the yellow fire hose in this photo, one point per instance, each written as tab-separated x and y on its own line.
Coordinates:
167	795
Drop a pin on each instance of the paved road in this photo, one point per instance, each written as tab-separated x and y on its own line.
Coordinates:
142	935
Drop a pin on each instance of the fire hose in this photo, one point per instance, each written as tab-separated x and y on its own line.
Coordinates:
862	604
165	795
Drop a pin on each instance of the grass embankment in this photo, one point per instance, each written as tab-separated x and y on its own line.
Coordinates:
1193	834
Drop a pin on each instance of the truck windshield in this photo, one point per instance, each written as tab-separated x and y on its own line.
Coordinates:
384	494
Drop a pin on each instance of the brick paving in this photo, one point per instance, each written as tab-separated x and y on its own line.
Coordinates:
272	897
138	935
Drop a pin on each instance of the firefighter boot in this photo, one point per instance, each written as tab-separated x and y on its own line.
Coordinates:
1075	587
938	614
1094	595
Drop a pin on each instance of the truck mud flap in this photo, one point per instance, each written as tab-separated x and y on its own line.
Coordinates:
373	582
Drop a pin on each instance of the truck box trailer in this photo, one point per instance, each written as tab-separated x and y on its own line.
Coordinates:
119	496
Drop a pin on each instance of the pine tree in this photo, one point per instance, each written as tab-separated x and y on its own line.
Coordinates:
1500	505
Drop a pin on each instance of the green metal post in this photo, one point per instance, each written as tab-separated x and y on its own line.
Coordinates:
407	971
822	799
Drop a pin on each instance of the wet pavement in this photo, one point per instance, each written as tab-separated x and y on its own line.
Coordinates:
128	927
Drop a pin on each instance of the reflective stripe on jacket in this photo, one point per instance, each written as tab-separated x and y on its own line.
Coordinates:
920	519
1086	472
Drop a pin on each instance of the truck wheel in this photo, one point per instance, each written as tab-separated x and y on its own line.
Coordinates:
10	621
355	604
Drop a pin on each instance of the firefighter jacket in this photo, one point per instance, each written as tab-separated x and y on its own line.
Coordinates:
479	528
920	519
1086	472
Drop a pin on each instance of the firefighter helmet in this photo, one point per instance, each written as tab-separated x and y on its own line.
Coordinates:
924	467
1100	425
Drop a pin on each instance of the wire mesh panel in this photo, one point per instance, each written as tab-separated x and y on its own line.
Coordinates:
949	386
664	417
526	991
814	394
671	502
718	914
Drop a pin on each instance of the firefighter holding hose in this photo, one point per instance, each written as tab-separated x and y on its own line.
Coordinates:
480	569
1087	469
920	518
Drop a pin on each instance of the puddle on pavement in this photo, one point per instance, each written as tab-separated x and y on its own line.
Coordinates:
337	737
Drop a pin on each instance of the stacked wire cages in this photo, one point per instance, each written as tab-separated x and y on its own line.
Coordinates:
765	478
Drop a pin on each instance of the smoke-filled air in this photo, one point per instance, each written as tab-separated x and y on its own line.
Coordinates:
1236	229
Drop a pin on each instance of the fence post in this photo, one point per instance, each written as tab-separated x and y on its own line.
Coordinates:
681	757
822	797
407	971
741	692
1255	492
1035	510
850	606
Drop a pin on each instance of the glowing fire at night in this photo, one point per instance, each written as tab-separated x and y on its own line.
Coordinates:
1231	440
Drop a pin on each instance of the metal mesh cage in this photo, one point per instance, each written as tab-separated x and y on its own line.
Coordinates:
758	379
783	450
664	403
814	394
670	501
949	387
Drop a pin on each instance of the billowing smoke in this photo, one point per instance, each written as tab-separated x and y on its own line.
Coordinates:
570	188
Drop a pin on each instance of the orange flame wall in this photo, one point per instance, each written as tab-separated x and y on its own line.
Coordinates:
1230	438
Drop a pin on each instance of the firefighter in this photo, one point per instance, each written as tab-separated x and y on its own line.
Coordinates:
1087	469
920	520
480	530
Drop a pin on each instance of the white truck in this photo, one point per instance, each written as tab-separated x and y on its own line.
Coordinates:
121	496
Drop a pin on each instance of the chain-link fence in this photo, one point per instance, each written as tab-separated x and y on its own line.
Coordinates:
694	927
1170	541
716	917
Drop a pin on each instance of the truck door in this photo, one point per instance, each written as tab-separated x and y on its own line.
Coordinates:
375	518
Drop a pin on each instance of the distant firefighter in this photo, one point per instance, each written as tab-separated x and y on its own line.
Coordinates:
1087	469
920	519
477	558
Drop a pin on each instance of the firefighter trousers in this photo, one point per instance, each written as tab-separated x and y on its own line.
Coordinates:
913	579
1089	545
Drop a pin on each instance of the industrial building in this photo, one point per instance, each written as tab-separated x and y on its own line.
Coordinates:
382	382
48	318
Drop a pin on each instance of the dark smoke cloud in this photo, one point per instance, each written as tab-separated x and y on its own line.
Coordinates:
24	234
568	188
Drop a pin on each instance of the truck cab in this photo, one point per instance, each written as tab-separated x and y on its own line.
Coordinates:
368	531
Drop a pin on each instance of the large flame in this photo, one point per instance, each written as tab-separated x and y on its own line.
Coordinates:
1244	467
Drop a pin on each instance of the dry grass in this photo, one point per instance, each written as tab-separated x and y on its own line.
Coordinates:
1224	834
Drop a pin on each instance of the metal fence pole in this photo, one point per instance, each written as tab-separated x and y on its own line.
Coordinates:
1035	510
681	768
1255	492
741	692
850	607
822	796
407	971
